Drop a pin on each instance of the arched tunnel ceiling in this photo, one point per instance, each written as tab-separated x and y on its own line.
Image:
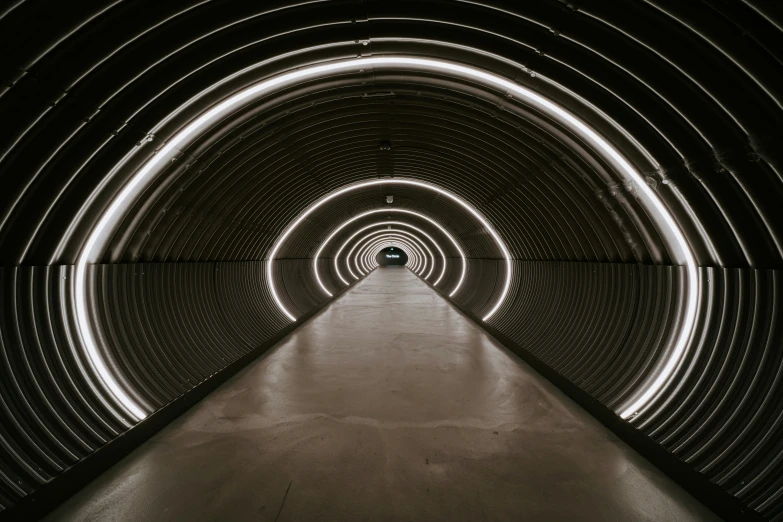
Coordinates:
145	76
687	92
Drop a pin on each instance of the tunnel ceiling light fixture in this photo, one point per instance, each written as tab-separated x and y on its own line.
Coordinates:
389	223
373	247
101	232
415	249
362	244
400	210
366	259
413	237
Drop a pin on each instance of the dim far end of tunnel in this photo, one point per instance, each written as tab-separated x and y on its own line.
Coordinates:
391	256
430	260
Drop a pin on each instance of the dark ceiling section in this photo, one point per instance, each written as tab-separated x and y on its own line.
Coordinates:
689	92
235	196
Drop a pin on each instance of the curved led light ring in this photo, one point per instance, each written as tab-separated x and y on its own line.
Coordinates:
143	176
389	223
350	254
373	252
366	256
366	253
387	210
387	234
416	240
420	265
417	244
378	247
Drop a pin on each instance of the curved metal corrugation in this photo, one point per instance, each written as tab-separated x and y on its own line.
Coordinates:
51	417
601	325
167	328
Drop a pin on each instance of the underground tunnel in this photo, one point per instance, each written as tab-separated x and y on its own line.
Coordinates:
394	256
202	318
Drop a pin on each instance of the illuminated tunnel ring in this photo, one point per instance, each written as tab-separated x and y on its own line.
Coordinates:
361	259
387	223
373	250
403	224
416	240
388	210
380	248
659	213
336	257
369	251
420	267
365	255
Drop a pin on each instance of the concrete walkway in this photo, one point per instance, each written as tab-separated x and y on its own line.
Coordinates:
388	405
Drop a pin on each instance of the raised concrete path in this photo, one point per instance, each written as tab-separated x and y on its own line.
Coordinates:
388	405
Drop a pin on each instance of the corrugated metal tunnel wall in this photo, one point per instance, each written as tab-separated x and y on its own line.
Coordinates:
689	93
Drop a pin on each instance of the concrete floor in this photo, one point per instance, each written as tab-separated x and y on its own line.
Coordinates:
388	405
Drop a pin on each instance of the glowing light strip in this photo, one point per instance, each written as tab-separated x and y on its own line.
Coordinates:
388	223
361	265
412	243
371	253
415	245
373	249
388	210
418	266
366	253
417	240
92	249
95	358
356	259
380	248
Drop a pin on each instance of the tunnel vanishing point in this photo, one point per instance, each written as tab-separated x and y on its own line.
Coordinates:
391	260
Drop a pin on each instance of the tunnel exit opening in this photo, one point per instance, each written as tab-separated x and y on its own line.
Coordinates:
391	256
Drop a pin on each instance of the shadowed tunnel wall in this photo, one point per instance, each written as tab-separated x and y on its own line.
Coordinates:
180	288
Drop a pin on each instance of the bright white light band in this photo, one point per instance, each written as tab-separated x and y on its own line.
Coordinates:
375	251
418	242
363	243
375	248
368	251
97	239
371	250
390	223
418	267
389	210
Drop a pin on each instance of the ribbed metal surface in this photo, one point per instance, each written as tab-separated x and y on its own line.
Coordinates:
602	325
689	92
51	416
725	417
167	327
